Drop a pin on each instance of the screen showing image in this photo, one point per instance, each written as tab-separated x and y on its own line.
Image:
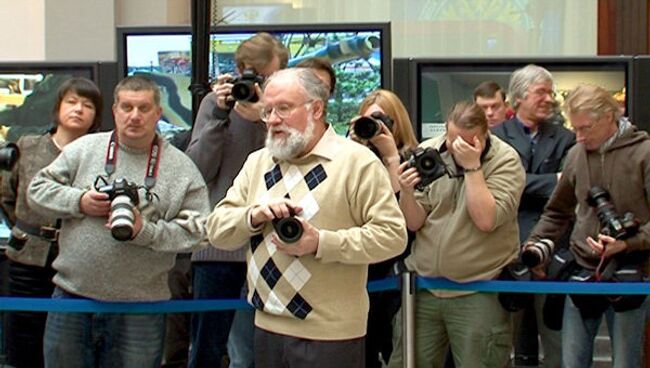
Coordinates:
27	98
442	86
356	56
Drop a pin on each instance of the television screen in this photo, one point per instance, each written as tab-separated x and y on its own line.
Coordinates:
360	54
441	83
28	92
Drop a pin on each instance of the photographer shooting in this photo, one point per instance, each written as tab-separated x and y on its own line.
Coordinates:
605	176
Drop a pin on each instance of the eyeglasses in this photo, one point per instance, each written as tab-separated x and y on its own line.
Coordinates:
283	111
543	92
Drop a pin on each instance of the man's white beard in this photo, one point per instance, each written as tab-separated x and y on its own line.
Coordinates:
293	144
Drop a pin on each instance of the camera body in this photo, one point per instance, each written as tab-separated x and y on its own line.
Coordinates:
428	164
537	253
124	197
243	88
9	155
289	229
367	127
612	224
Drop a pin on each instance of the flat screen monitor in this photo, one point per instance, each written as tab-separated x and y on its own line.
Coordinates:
436	84
360	54
28	92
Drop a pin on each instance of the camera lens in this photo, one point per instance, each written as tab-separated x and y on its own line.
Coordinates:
8	156
122	218
365	127
243	91
537	253
289	229
531	257
427	164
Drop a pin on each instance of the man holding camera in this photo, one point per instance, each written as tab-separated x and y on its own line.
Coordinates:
310	294
466	230
95	195
606	175
225	132
542	147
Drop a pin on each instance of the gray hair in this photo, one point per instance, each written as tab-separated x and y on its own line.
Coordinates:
308	80
522	78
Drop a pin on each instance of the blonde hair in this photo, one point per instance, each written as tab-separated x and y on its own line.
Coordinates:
468	115
393	107
593	100
259	51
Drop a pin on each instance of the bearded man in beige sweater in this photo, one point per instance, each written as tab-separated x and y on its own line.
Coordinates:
310	295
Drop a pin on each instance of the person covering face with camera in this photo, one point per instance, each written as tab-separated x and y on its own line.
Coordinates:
466	230
606	176
94	264
225	132
310	295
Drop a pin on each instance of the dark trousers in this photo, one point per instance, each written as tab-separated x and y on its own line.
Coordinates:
209	334
177	334
24	335
379	338
280	351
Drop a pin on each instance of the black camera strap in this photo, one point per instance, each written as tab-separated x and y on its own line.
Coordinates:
152	162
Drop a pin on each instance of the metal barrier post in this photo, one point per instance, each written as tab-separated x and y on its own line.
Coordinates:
408	319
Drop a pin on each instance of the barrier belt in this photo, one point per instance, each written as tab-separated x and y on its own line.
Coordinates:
391	283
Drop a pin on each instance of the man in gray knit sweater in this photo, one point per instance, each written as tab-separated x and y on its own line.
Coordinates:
91	262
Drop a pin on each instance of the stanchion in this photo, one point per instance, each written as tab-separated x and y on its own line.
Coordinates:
408	319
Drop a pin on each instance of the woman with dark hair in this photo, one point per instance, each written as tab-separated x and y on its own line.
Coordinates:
33	243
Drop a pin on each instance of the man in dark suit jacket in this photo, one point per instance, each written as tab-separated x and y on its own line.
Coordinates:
542	145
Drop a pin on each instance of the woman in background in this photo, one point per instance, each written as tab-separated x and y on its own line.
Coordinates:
33	243
393	145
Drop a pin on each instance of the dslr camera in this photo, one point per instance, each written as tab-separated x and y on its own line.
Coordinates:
9	155
537	253
367	127
428	164
289	229
612	224
243	88
124	197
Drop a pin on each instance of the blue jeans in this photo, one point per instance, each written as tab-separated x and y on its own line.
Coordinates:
102	340
626	331
209	332
242	337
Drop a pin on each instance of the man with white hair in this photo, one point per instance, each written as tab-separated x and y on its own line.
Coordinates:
542	147
310	294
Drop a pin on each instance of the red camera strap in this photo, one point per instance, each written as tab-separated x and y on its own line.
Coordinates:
152	163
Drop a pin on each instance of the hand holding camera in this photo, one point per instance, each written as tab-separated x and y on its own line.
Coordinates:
428	164
221	89
295	237
367	127
123	196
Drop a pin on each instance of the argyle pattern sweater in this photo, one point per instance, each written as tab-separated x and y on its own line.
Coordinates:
345	192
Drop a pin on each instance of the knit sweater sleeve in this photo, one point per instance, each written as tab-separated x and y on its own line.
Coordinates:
228	224
51	191
381	233
209	136
181	229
